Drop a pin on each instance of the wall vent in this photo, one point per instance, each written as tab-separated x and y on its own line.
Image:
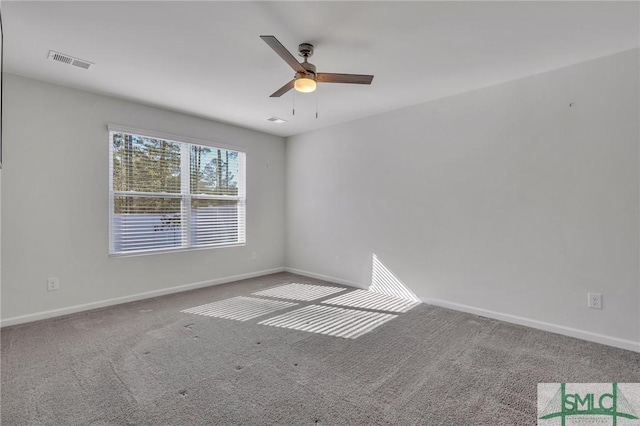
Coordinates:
70	60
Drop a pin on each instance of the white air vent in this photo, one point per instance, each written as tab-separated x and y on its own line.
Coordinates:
276	120
70	60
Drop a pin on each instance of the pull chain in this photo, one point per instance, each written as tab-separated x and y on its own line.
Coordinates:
316	104
294	102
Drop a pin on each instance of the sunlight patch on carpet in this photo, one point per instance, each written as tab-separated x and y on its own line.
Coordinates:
303	292
339	322
370	300
239	308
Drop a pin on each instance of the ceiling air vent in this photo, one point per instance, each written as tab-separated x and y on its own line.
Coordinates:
276	120
70	60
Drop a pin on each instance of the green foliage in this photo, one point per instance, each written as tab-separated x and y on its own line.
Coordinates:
144	164
211	171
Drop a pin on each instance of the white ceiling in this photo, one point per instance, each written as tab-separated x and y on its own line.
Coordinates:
206	58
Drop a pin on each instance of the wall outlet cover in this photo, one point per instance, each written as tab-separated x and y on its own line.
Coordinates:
594	301
53	283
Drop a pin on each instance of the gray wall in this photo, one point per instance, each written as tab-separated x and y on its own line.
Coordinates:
55	203
503	201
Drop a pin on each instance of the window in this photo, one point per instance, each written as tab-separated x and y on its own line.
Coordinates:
168	195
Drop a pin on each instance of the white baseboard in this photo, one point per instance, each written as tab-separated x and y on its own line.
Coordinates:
125	299
540	325
324	277
559	329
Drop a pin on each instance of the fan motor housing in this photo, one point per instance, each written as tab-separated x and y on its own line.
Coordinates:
309	67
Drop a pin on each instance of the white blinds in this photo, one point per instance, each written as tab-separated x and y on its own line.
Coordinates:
174	195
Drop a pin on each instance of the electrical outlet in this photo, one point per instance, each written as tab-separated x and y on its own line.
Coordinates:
337	260
53	283
254	255
595	301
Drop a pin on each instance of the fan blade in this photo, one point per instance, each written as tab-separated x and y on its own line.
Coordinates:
324	77
284	89
283	52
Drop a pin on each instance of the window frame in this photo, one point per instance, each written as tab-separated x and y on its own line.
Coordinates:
185	196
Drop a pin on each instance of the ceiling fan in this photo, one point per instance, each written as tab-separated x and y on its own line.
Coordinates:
306	75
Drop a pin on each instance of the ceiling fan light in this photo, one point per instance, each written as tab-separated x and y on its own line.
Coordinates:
305	85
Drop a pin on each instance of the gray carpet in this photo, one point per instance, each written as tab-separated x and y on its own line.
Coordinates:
147	363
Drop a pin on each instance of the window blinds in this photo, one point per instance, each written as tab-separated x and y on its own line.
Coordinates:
174	195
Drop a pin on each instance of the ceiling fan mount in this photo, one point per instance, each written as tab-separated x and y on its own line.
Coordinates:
306	76
305	50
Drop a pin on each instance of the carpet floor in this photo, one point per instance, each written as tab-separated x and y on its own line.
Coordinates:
148	363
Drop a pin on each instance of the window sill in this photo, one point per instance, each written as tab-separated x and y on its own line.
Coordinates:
176	250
